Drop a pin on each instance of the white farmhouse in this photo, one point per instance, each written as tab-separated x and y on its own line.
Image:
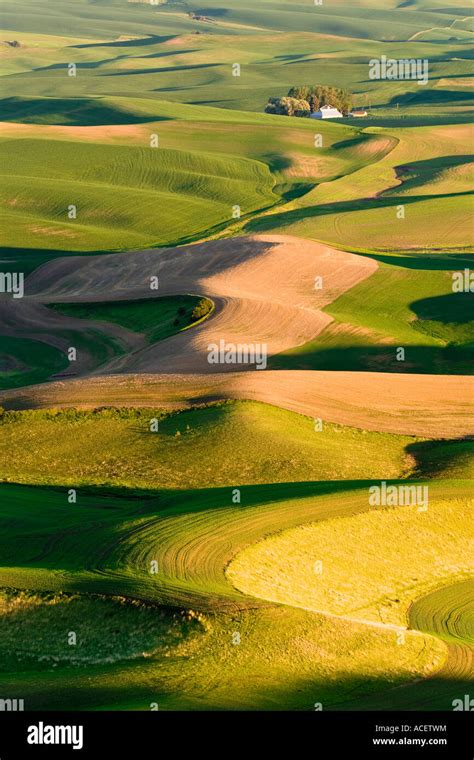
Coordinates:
327	112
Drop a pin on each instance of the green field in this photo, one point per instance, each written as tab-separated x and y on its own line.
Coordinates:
279	648
23	361
194	551
157	318
419	191
208	161
253	443
132	47
372	549
31	360
407	303
165	502
145	189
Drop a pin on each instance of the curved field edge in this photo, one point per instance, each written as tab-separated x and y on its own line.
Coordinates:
447	612
143	315
368	200
37	347
105	543
272	163
351	566
255	293
365	582
264	659
409	302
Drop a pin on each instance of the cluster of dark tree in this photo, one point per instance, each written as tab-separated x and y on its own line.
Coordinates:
305	100
202	309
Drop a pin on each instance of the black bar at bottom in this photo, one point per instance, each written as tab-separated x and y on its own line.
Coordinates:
128	734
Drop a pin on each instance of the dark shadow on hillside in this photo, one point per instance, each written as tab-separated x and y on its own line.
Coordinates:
216	12
457	76
457	308
286	190
26	260
425	97
281	693
175	89
433	458
91	538
162	70
294	190
287	218
83	65
147	501
73	112
276	161
288	58
436	360
417	173
426	261
168	53
141	42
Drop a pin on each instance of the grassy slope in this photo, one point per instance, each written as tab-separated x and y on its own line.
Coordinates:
433	544
136	195
209	160
24	361
193	535
408	302
288	658
118	638
364	307
263	39
252	443
426	173
157	318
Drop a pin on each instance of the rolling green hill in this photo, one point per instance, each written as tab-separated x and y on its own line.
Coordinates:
416	196
407	303
253	443
133	195
275	657
180	544
161	52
